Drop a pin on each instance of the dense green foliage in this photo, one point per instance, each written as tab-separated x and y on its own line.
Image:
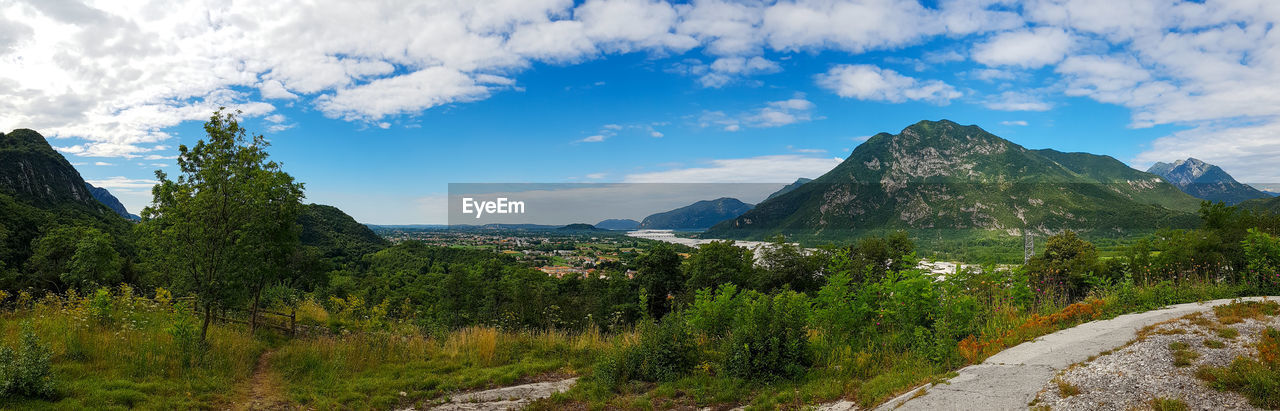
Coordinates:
26	372
228	206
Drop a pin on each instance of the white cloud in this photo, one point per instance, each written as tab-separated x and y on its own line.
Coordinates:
784	168
593	139
122	182
783	112
866	82
1016	101
655	134
773	114
103	163
1025	48
1014	123
806	150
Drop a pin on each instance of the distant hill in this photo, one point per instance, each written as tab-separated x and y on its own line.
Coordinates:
1205	181
335	234
1271	204
696	216
104	196
618	224
40	189
789	187
579	227
942	175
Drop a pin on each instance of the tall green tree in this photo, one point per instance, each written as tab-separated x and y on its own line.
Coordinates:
659	275
225	226
717	263
74	257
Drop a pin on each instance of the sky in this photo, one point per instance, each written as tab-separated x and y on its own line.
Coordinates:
377	106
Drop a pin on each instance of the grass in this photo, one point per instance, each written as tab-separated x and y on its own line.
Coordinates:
369	370
1211	343
132	360
1228	333
126	358
1066	389
1182	354
1167	404
1258	379
1234	313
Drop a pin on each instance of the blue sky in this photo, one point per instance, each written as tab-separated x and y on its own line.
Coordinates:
378	107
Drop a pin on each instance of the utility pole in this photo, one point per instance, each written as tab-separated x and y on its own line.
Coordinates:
1028	246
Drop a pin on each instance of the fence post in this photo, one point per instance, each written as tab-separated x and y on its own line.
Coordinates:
293	321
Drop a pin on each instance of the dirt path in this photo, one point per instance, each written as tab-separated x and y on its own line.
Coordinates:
263	391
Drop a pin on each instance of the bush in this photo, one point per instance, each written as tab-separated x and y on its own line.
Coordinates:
1262	257
665	351
100	307
188	346
768	340
27	372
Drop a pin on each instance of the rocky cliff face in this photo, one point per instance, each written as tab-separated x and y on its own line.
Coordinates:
942	175
32	170
1205	181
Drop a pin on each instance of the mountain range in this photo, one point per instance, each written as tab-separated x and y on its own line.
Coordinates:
942	175
104	196
789	187
1205	181
618	224
696	216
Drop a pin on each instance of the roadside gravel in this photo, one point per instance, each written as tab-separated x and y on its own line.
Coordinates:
1133	375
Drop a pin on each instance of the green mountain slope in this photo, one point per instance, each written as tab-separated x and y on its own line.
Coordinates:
335	234
1271	204
942	175
40	189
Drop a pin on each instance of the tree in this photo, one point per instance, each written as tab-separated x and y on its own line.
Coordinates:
659	276
787	265
226	225
1066	265
717	263
76	257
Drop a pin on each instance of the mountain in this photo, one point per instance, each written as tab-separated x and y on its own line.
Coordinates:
696	216
942	175
103	196
1270	204
789	187
618	224
1205	181
40	189
579	227
335	234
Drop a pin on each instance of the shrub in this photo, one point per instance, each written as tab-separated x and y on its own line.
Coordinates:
665	351
711	313
26	372
100	306
188	347
769	340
